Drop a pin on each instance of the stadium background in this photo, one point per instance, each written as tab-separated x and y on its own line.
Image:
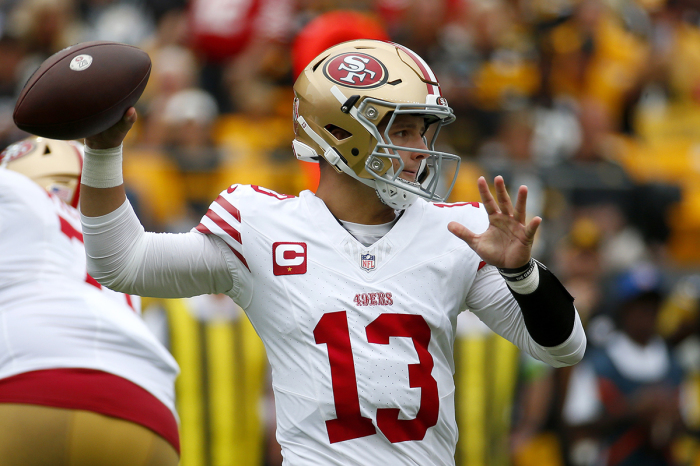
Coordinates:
594	104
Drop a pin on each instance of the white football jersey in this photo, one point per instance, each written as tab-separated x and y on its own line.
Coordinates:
52	314
360	339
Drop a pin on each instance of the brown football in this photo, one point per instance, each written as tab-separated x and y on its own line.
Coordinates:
82	90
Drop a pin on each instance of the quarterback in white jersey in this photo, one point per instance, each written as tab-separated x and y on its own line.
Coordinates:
67	342
354	290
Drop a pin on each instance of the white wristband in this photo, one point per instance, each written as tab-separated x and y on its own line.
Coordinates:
102	168
523	281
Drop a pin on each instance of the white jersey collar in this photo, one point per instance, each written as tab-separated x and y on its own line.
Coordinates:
368	234
400	232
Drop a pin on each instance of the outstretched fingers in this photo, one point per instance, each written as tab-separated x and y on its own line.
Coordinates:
531	228
486	198
521	205
462	232
504	202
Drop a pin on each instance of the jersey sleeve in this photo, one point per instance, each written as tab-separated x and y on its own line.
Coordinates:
123	257
223	220
492	302
472	215
490	299
223	223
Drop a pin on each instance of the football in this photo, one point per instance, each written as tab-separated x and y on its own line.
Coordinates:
82	90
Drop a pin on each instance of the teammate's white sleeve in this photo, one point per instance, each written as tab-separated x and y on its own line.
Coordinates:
491	301
123	257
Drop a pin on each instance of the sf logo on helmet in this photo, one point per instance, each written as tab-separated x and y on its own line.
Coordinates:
15	151
356	70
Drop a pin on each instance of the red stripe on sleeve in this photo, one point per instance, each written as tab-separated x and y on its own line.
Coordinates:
230	208
92	282
203	229
240	257
129	301
232	232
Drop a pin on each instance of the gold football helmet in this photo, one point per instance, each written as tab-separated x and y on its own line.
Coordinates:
54	165
357	85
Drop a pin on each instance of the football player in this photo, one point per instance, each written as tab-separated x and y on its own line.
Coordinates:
355	290
82	380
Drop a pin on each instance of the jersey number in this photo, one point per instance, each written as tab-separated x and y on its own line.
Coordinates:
69	230
332	330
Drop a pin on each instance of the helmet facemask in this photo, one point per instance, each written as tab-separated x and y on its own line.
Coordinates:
438	170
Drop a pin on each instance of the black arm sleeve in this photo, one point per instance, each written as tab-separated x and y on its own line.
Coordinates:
549	311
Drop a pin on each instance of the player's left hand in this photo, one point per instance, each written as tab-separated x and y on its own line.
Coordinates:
507	242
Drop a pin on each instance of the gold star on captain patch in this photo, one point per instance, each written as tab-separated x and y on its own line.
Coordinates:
289	269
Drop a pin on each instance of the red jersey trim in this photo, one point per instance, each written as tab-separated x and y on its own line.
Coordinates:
130	302
92	281
69	230
228	207
458	204
228	229
92	390
203	229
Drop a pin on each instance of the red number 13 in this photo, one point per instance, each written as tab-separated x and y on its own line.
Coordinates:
332	330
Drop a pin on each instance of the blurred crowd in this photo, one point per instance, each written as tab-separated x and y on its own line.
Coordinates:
593	104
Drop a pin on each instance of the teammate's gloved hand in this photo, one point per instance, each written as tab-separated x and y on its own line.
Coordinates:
507	243
113	136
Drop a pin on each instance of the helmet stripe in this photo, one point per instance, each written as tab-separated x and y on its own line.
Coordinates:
428	74
76	194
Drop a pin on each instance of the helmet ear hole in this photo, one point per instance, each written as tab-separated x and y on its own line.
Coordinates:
47	150
337	132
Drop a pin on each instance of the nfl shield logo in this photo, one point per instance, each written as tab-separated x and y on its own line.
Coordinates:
367	262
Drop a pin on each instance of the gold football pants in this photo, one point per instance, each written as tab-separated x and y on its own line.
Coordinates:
32	435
